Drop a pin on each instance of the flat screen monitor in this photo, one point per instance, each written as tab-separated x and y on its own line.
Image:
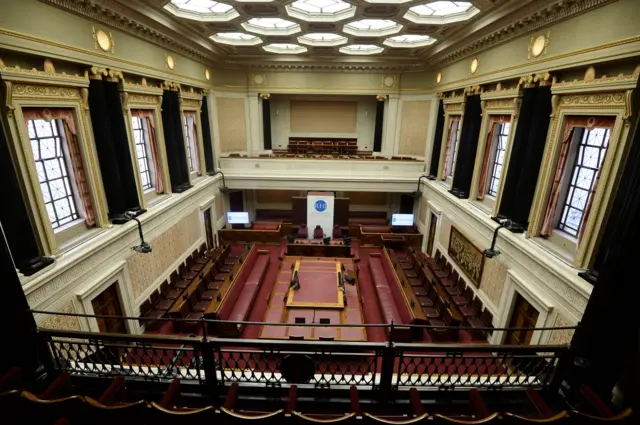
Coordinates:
402	220
238	217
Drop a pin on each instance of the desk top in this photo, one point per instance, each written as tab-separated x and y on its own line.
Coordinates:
319	286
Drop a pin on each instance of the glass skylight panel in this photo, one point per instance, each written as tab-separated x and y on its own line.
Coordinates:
202	10
373	24
271	23
284	48
239	36
321	6
320	36
441	12
361	49
409	40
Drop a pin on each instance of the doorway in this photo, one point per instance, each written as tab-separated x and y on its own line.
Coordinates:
524	316
208	231
433	222
406	204
107	303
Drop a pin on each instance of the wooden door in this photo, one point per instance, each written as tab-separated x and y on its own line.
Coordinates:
406	204
432	233
206	216
108	304
524	316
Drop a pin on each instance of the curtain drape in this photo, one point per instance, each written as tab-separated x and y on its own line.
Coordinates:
377	132
50	114
207	140
266	124
193	135
494	121
449	145
174	142
437	142
526	156
79	174
148	116
468	145
572	122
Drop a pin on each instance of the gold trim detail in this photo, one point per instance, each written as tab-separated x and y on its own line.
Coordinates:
103	40
538	45
474	65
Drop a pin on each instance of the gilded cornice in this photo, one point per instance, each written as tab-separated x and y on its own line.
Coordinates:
36	76
594	85
534	80
561	11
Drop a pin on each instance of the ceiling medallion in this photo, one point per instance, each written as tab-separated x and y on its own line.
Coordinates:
258	79
538	45
473	66
439	77
389	81
171	62
103	40
207	74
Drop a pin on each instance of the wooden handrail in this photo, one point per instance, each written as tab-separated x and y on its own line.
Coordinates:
95	403
250	417
619	417
324	421
551	419
488	419
181	412
392	422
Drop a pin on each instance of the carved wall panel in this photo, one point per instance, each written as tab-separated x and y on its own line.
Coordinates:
414	127
67	323
232	124
493	279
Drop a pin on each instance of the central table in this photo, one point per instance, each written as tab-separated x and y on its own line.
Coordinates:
319	285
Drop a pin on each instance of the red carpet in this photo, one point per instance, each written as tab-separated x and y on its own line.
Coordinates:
370	309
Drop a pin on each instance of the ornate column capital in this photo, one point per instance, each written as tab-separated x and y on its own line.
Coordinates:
382	97
264	96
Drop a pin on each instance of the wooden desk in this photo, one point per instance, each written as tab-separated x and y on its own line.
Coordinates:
410	239
214	306
249	235
318	250
456	315
393	241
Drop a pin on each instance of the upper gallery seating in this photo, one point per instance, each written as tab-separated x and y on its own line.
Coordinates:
327	147
278	154
64	402
237	305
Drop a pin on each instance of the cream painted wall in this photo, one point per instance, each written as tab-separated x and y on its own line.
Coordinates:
281	119
58	34
322	83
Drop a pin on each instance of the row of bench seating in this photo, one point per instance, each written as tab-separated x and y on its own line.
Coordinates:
116	406
240	299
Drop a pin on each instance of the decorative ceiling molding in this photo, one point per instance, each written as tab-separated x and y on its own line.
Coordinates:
559	11
111	16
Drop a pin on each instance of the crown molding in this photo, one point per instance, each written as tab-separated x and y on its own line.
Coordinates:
558	11
116	15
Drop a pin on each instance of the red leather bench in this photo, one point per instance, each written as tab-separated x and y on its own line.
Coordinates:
247	295
386	300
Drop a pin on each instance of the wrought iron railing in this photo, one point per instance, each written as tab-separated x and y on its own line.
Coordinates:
384	367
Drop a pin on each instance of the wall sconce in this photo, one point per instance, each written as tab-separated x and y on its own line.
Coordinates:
144	247
493	252
418	193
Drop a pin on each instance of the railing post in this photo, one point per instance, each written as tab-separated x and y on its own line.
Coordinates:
207	348
386	372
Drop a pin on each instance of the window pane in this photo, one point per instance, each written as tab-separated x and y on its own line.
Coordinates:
141	139
452	153
589	157
51	169
497	161
188	125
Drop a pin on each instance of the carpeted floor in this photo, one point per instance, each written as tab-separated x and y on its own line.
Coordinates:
370	309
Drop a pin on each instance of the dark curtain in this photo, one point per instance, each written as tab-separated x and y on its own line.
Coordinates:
174	142
437	142
206	136
377	134
608	337
266	123
466	158
20	232
120	141
526	155
115	174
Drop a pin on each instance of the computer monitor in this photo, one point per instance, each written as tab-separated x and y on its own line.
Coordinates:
238	217
402	220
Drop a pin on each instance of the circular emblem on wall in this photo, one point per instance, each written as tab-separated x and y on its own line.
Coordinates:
171	62
103	40
258	79
207	74
439	77
389	81
538	45
320	206
473	66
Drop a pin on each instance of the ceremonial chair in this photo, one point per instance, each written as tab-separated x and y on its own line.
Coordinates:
337	232
303	231
318	233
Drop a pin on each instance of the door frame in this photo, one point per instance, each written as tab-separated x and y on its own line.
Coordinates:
431	209
85	294
513	286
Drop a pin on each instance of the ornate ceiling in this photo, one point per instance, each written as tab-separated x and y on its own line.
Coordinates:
324	34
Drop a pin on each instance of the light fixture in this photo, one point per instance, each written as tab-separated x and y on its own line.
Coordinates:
493	252
417	193
223	188
144	247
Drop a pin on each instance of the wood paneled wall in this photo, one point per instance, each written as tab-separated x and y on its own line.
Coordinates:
324	117
275	196
414	127
232	124
366	198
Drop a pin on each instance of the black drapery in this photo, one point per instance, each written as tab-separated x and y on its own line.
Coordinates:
174	142
466	158
377	133
608	335
437	142
266	123
20	232
112	147
206	136
526	156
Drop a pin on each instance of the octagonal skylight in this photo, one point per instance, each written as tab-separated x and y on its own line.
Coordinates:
409	40
322	39
284	48
372	27
361	49
202	10
236	38
271	26
321	10
441	12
